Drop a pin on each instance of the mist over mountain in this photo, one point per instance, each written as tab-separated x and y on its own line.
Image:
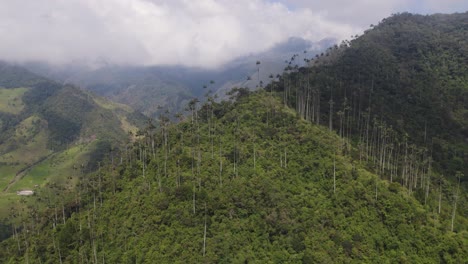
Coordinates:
154	89
204	34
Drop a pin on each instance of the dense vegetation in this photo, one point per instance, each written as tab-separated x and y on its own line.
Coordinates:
405	80
399	93
252	180
237	182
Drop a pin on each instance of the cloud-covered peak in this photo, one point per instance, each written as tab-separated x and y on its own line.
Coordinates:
194	33
203	33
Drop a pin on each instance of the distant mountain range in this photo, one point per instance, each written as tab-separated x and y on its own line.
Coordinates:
152	90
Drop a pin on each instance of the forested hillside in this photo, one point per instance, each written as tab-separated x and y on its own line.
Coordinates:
399	94
47	130
359	158
404	82
248	181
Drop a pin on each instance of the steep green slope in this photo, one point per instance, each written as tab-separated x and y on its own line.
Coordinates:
238	182
399	93
406	79
42	121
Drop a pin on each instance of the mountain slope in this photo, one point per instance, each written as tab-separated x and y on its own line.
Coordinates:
41	120
408	74
399	94
242	182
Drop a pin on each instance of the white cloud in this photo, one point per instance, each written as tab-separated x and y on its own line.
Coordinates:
362	13
355	12
190	32
196	33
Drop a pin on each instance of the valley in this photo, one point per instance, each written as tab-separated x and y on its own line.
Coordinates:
37	146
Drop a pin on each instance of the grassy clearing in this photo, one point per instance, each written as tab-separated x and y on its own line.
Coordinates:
7	173
41	172
10	100
57	168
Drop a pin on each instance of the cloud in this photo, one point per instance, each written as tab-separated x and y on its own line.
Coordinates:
195	33
357	12
204	33
437	6
362	13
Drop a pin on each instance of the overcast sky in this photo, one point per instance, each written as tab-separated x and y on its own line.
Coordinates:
204	33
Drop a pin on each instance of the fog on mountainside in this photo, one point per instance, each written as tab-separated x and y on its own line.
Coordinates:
152	90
